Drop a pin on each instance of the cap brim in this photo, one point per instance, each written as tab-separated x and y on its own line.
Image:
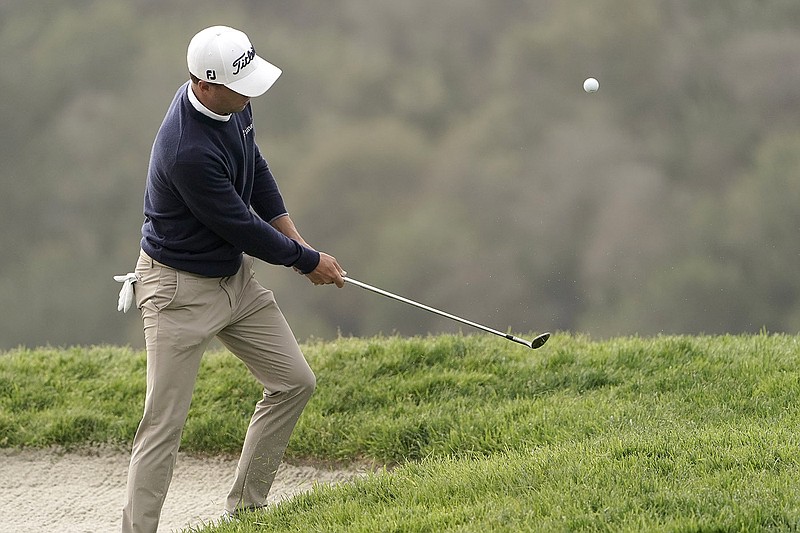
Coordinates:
263	75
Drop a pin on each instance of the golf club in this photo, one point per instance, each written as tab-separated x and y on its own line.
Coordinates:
537	342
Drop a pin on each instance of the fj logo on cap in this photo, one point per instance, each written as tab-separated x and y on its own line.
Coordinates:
244	60
211	74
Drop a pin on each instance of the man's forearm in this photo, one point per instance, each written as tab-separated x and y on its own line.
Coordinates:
286	226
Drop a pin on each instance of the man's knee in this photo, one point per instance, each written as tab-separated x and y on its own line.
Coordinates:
306	383
300	387
303	385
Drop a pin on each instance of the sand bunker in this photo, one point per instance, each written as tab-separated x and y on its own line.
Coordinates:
84	491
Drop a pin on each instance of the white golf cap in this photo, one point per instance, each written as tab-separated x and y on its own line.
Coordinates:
223	55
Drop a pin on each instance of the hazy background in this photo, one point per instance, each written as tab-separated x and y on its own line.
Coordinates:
444	150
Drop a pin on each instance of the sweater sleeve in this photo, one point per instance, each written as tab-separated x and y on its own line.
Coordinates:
266	200
212	199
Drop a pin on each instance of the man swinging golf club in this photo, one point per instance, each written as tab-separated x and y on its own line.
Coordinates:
211	205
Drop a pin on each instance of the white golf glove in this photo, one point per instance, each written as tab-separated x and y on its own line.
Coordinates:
126	293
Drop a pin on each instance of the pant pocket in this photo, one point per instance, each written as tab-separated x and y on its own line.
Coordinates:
157	286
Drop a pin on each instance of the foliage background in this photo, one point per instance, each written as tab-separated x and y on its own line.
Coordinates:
442	150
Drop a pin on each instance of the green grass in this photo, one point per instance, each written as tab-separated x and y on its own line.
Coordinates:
630	434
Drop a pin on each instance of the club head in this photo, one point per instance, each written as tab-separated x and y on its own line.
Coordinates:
539	340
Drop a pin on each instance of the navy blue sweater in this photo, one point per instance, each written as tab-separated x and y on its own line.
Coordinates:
210	196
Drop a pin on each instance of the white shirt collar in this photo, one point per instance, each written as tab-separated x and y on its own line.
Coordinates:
197	104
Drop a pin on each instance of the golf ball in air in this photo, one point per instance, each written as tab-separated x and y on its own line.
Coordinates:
591	85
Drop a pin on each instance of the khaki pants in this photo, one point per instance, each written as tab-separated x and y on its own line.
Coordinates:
181	314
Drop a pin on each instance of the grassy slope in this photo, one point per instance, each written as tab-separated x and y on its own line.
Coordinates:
673	433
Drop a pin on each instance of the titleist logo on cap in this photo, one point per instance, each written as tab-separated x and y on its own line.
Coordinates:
244	60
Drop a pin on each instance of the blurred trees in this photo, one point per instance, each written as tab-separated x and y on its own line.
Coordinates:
443	150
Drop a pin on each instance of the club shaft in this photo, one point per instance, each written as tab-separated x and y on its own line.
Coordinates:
436	311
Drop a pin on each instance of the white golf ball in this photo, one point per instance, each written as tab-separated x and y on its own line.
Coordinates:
591	85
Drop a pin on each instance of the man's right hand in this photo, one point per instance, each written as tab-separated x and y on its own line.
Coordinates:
327	272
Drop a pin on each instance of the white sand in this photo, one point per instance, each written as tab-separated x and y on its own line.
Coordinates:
84	491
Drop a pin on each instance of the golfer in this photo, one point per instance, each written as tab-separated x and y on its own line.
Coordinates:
211	206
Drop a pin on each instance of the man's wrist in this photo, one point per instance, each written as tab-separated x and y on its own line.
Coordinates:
308	260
